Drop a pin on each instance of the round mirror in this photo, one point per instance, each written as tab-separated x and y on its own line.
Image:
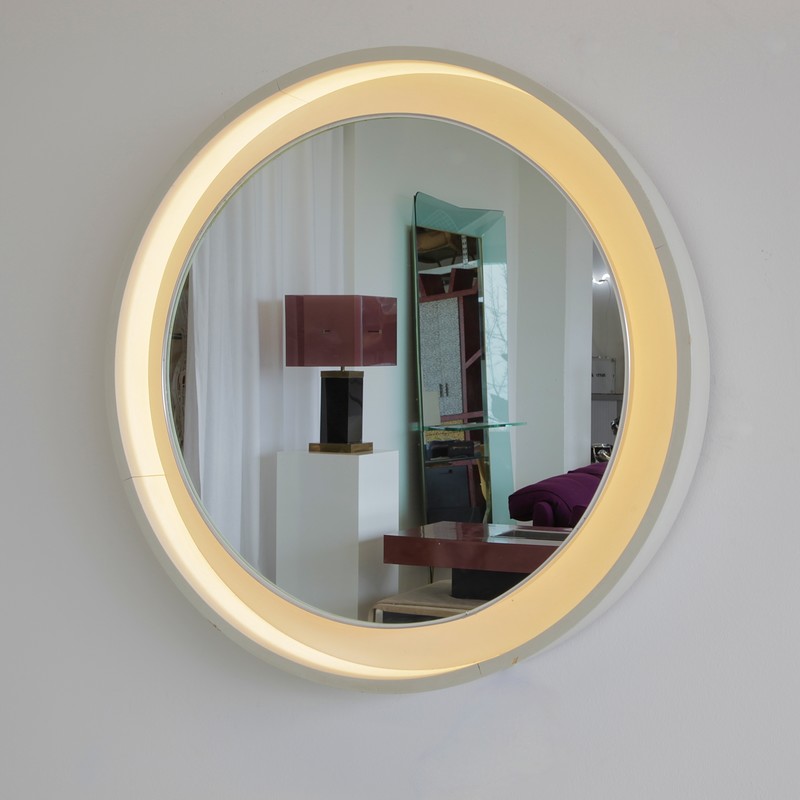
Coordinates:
340	212
666	374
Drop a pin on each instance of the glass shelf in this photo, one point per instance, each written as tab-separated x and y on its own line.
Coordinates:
471	426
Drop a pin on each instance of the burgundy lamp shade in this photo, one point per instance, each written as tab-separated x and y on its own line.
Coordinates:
340	330
333	330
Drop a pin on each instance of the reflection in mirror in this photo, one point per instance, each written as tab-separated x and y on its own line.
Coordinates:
462	333
334	215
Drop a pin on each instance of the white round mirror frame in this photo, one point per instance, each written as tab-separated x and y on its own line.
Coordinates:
667	392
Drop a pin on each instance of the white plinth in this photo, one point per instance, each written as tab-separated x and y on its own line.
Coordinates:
332	511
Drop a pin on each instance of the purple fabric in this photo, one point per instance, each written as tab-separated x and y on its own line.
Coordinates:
598	468
559	501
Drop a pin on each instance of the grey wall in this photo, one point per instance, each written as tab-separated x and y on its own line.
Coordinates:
113	686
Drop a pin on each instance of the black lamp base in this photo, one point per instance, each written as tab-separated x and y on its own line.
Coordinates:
341	413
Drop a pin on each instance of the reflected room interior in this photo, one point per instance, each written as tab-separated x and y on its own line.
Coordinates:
491	435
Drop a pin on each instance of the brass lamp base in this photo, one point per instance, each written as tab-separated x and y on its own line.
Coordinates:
340	447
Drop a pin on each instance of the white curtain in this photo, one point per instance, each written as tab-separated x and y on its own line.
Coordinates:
281	233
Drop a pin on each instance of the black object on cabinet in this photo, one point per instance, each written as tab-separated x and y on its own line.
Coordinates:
447	488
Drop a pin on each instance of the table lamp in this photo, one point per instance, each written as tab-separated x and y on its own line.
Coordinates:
340	331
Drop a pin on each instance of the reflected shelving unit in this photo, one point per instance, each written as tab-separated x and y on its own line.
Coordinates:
473	460
451	356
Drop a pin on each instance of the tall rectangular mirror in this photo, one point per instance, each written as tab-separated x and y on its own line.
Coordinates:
461	292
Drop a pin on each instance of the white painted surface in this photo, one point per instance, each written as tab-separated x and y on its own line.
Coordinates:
550	348
114	686
577	336
332	512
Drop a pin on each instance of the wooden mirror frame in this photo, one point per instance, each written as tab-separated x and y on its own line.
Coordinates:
667	391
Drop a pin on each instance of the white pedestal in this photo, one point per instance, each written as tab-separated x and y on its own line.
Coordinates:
332	511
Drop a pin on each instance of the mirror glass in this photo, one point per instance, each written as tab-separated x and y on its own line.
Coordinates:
510	370
462	323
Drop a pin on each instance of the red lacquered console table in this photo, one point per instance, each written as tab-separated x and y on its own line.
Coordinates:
486	560
474	546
